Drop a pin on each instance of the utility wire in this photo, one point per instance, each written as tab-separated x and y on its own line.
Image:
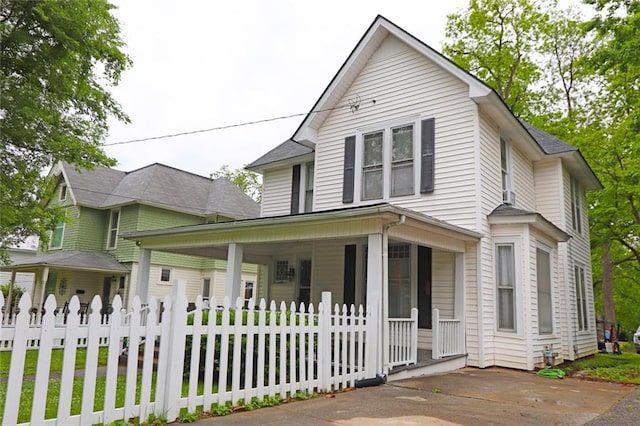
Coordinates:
353	105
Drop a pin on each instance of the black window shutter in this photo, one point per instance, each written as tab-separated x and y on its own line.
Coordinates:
424	286
349	289
295	190
427	156
349	169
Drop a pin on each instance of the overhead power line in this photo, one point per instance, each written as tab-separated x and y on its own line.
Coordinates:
353	105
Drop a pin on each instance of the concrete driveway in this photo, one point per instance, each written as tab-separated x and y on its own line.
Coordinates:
469	396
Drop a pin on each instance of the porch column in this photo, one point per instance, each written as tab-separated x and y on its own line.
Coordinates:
234	272
43	282
374	303
142	281
9	296
458	298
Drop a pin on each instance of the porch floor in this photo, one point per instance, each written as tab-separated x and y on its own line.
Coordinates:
424	360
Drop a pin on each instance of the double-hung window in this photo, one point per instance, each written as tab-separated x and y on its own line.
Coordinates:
581	298
388	162
392	160
372	166
114	221
506	285
308	189
402	176
576	208
56	236
543	273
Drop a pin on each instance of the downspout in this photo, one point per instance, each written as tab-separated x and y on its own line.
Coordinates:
385	292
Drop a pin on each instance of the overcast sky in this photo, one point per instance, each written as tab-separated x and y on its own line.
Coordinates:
206	64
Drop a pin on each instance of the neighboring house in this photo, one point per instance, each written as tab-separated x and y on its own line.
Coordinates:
410	184
87	257
24	280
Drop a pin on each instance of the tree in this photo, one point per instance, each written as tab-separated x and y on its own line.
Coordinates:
58	59
581	82
615	148
496	40
247	180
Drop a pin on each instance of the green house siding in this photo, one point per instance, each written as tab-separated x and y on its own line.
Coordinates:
92	226
140	217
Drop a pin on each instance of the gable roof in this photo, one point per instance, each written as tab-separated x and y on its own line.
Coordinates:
533	142
160	186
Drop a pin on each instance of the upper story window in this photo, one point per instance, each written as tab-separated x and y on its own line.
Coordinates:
506	170
63	192
581	298
56	236
387	161
302	188
308	188
114	222
576	208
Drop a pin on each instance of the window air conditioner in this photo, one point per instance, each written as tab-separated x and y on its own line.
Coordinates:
509	197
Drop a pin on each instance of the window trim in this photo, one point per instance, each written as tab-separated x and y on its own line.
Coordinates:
549	253
62	226
387	130
113	244
515	243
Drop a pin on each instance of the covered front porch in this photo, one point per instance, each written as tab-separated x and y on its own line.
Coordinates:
72	273
406	269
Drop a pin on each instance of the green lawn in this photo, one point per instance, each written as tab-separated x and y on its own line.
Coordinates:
624	368
31	361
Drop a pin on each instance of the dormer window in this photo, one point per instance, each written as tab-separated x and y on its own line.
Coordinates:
63	192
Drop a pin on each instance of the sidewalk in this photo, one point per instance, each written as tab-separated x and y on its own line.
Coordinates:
469	396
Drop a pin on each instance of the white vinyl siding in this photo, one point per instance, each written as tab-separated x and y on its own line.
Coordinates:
548	187
405	84
276	191
523	184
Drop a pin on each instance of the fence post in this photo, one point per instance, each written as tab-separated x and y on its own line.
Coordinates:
178	323
324	342
435	334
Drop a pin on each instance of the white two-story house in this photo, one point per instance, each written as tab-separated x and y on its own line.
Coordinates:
409	185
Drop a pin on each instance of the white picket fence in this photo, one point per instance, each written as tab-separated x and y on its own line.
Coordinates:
237	354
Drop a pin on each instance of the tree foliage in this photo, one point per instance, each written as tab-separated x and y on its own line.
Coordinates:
247	180
58	60
579	80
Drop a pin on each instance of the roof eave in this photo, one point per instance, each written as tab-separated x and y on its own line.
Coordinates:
536	220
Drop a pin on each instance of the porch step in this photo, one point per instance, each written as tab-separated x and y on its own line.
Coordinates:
428	367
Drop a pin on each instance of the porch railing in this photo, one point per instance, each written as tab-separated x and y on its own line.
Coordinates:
403	340
447	336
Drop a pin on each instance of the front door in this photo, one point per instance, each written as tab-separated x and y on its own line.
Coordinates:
106	295
304	285
399	280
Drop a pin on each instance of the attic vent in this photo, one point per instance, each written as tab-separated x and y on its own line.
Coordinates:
509	197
